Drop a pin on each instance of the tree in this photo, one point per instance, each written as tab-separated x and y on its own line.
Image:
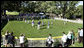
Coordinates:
79	11
67	8
10	6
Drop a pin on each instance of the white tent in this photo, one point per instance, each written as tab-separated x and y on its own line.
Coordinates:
41	13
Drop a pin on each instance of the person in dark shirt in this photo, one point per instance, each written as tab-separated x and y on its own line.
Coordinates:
11	39
6	37
39	22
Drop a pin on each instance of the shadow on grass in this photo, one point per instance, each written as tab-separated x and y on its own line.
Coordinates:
56	44
43	28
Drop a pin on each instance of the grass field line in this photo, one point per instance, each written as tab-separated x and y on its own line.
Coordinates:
74	21
39	38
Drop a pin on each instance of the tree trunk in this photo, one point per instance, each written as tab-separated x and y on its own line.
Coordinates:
64	13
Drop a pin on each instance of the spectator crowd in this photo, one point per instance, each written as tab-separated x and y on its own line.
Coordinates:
66	40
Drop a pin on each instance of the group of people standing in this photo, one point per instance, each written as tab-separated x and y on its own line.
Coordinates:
10	40
70	38
39	24
67	40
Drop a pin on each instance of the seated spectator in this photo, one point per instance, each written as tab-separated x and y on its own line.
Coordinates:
64	39
49	41
21	40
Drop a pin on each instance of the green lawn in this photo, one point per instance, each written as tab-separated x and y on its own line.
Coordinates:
56	29
12	13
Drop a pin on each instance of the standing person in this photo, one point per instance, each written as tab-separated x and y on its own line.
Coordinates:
42	23
48	24
39	22
25	20
81	36
64	39
64	22
79	29
28	22
72	37
32	23
49	41
8	18
69	38
21	40
6	38
51	22
11	40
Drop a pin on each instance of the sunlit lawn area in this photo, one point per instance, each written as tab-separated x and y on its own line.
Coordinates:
12	13
56	29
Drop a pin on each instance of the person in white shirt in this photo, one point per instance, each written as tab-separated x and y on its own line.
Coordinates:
64	39
25	20
81	36
50	41
21	40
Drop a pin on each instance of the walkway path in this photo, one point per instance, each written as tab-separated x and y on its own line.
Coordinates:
75	21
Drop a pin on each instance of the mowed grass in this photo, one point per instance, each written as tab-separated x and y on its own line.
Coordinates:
19	27
12	13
